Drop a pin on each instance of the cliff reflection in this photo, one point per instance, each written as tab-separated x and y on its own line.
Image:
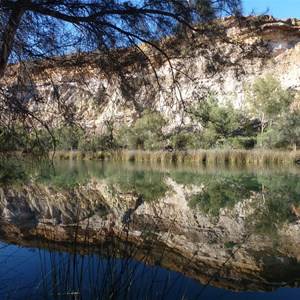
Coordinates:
232	229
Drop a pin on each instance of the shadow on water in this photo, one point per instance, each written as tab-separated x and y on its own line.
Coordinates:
86	230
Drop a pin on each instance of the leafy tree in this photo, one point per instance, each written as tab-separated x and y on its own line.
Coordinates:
149	129
184	140
13	138
68	138
289	129
268	100
146	133
218	120
12	172
125	137
222	192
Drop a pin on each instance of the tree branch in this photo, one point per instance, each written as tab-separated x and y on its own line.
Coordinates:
9	33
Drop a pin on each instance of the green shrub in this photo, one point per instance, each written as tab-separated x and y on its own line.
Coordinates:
146	133
218	121
268	101
68	138
185	140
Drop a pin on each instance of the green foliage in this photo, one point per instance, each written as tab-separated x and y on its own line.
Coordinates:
126	138
13	138
12	172
40	140
67	138
185	140
274	211
75	138
222	192
267	98
218	120
268	101
286	131
149	130
279	193
17	138
150	186
208	138
146	134
237	142
91	143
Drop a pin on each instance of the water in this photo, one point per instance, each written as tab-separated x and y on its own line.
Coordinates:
28	273
97	230
31	273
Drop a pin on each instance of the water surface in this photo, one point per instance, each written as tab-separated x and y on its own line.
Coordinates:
148	231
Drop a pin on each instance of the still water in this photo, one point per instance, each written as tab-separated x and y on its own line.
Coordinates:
107	230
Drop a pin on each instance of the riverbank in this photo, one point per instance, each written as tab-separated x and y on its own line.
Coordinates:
216	157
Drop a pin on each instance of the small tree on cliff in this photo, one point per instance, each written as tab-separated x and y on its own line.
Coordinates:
146	133
268	100
218	121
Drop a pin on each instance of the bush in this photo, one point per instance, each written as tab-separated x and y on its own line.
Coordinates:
146	134
237	142
219	121
185	140
67	138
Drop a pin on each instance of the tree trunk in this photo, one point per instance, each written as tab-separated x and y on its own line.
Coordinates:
262	130
294	146
8	36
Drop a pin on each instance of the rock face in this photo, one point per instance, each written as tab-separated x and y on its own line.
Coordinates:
191	241
94	97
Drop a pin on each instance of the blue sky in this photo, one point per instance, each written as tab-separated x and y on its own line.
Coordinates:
277	8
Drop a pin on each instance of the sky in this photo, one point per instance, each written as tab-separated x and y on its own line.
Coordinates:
277	8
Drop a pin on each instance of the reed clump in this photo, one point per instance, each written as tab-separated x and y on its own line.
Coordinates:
257	157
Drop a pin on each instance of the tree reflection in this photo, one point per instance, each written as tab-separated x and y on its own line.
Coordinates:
273	200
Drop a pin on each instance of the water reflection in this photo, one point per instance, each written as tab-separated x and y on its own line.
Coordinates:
233	229
60	275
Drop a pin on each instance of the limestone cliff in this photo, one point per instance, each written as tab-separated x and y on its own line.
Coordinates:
93	96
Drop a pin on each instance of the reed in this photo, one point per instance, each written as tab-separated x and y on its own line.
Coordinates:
217	157
105	265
